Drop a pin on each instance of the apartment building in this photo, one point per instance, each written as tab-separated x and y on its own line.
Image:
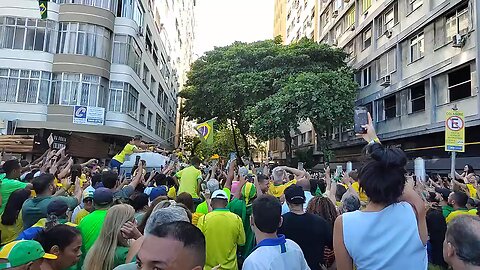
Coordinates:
280	21
93	73
415	59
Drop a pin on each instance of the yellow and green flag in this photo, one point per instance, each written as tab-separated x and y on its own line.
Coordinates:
42	5
205	130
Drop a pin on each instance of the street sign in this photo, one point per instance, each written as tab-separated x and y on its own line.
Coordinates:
454	131
88	115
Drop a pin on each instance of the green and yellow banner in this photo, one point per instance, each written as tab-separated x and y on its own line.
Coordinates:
43	5
205	130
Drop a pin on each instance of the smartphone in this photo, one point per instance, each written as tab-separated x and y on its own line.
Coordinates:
339	171
300	166
243	171
233	156
360	119
137	159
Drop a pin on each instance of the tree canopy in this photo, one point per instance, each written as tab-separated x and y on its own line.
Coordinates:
266	88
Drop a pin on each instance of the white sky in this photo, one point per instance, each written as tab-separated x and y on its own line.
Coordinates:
221	22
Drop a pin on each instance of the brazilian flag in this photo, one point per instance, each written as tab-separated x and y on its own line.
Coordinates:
205	130
42	5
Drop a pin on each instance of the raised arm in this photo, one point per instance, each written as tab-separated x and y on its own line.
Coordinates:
411	196
231	174
138	177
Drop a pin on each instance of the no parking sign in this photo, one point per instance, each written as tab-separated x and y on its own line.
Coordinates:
454	131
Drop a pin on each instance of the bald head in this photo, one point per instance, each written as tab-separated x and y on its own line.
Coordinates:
462	241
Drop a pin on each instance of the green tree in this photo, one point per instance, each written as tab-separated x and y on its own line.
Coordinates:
258	87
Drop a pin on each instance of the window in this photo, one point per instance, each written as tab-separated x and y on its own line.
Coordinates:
148	40
105	4
132	102
132	9
457	23
163	130
149	120
414	4
118	96
165	103
325	18
155	53
386	65
79	89
146	75
160	94
366	77
338	30
350	50
84	39
350	18
25	86
28	34
337	4
390	107
366	4
387	20
158	122
417	47
152	85
367	37
460	83
141	118
126	52
303	138
417	97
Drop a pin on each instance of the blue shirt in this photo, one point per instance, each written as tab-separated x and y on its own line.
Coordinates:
385	240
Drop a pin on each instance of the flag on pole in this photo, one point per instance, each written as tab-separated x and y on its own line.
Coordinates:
205	130
42	5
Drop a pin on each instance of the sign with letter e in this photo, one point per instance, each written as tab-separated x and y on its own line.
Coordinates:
454	131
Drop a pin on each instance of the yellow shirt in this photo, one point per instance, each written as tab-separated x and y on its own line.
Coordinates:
278	190
172	193
472	190
80	215
188	179
223	232
11	232
127	150
459	212
361	194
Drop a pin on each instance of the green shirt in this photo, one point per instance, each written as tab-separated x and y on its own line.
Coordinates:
90	228
120	256
7	187
202	208
188	179
35	209
446	210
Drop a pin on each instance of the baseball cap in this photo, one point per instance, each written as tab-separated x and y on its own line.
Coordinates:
294	194
444	192
57	208
22	252
102	196
88	194
213	185
157	192
220	194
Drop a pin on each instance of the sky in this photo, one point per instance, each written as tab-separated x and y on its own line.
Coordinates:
221	22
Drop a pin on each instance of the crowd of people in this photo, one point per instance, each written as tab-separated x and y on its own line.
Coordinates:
58	215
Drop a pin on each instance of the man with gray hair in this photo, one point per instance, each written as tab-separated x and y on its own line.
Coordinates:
461	248
281	180
158	217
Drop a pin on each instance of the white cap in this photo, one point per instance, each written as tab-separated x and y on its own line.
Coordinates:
220	194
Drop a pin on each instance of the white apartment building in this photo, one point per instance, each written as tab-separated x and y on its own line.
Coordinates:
120	61
415	59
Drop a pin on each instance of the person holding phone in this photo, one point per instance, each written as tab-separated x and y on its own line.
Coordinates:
134	146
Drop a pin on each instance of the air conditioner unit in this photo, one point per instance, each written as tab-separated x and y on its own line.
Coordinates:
334	42
458	41
386	81
388	33
140	31
335	14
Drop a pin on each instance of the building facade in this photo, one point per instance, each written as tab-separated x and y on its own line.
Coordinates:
415	59
120	57
280	19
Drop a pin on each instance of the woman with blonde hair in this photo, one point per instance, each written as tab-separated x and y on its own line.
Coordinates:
111	247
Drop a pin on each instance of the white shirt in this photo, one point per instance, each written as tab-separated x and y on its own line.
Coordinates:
276	254
308	197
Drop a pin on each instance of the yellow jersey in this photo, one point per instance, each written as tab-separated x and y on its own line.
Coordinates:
361	193
472	190
127	150
278	190
459	212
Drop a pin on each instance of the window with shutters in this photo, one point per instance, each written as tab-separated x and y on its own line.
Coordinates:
386	64
367	37
417	47
366	4
349	18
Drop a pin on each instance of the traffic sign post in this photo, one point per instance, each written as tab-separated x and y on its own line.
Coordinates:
454	135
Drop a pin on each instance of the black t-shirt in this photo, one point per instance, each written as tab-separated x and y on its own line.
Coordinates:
437	227
311	232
